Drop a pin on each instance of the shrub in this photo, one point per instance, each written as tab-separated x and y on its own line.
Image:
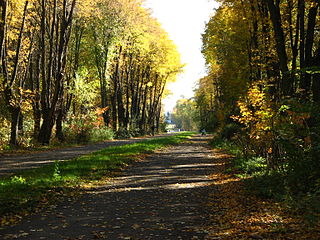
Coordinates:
250	165
123	133
135	132
230	130
268	185
79	130
87	127
101	134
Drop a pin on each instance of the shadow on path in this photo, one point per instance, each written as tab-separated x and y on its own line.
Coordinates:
163	197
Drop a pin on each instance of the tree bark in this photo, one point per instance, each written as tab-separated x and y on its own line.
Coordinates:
309	42
3	23
34	74
275	15
49	108
15	114
13	102
59	130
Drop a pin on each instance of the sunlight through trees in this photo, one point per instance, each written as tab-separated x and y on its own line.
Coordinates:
65	64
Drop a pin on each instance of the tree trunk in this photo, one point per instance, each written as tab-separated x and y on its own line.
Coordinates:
114	114
101	63
294	39
15	114
37	122
49	104
13	102
142	121
35	88
275	15
20	125
46	128
309	44
158	118
59	130
3	23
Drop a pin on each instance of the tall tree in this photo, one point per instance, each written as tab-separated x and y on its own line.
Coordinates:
53	79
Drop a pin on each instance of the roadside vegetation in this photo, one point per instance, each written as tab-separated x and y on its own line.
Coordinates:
261	96
244	215
254	178
24	191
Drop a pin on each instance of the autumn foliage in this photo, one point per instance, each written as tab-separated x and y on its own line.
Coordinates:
262	91
61	60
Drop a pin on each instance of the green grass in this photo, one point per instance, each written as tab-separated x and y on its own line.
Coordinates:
245	166
253	170
36	148
25	190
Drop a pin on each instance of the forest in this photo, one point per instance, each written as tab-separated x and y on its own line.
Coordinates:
262	93
79	71
246	165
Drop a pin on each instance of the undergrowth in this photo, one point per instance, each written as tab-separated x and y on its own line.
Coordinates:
271	184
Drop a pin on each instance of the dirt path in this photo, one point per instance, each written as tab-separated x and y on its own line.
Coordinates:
12	163
162	197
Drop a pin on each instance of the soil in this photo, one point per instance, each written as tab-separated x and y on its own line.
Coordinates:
165	196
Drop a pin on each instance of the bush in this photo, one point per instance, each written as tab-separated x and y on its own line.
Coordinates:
101	134
268	185
230	130
78	129
306	203
89	133
136	132
79	135
250	165
123	133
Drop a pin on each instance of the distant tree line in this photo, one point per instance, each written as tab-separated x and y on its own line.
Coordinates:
184	115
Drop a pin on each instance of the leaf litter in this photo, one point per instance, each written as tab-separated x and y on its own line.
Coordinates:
237	214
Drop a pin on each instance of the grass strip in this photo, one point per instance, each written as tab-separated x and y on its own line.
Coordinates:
24	191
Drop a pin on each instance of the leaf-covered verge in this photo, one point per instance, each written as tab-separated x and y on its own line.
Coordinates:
243	210
30	190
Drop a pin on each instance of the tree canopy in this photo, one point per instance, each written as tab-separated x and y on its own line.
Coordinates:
263	86
69	67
